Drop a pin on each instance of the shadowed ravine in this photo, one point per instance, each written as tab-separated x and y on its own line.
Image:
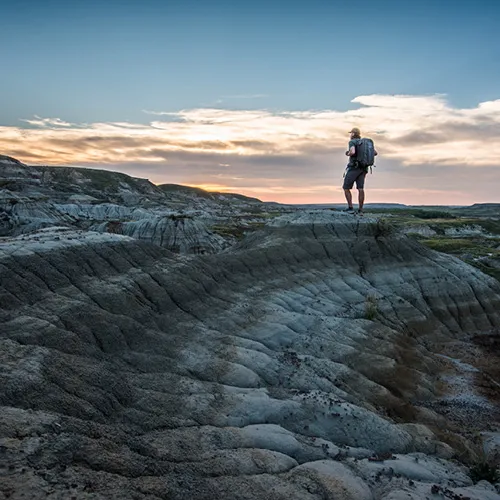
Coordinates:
314	360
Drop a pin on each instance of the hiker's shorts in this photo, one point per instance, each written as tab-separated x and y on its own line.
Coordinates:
354	175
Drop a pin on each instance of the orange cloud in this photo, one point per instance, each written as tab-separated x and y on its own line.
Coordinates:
265	147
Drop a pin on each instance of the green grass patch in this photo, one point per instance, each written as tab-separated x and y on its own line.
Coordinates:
438	220
431	214
440	226
476	246
485	268
478	251
448	245
420	213
269	215
490	225
237	231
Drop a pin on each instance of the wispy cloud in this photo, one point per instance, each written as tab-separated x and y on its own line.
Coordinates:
296	148
161	113
47	122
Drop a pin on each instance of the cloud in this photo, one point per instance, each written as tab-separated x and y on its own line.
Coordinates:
47	122
265	150
403	102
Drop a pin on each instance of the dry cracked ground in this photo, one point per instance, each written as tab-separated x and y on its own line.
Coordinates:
323	357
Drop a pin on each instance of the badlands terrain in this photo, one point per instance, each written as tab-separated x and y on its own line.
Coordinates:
162	342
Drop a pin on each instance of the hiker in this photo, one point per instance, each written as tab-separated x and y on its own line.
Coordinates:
355	173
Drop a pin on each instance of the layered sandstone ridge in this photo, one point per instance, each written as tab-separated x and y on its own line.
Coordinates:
307	362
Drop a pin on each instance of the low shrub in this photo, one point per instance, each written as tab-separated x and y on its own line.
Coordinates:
382	228
484	471
371	308
432	214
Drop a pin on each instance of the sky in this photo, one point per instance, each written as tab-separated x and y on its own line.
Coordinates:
258	97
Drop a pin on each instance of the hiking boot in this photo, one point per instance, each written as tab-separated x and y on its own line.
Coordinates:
360	212
348	210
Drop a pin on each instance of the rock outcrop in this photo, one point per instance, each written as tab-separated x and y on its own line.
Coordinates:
321	357
182	219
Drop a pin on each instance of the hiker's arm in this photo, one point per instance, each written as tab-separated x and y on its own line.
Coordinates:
352	151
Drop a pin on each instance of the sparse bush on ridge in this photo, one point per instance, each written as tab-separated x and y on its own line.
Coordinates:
371	308
181	217
383	228
483	471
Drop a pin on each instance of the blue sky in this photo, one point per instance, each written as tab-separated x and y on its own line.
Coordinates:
125	70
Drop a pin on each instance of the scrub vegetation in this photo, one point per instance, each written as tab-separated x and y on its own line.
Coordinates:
454	231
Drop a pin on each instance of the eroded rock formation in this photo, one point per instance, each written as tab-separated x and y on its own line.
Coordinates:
321	357
179	218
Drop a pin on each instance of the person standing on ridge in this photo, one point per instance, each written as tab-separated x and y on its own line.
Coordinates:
355	173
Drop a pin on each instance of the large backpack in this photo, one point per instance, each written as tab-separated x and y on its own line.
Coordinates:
365	153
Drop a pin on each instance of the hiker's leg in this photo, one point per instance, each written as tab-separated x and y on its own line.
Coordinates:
360	185
348	197
361	198
349	178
